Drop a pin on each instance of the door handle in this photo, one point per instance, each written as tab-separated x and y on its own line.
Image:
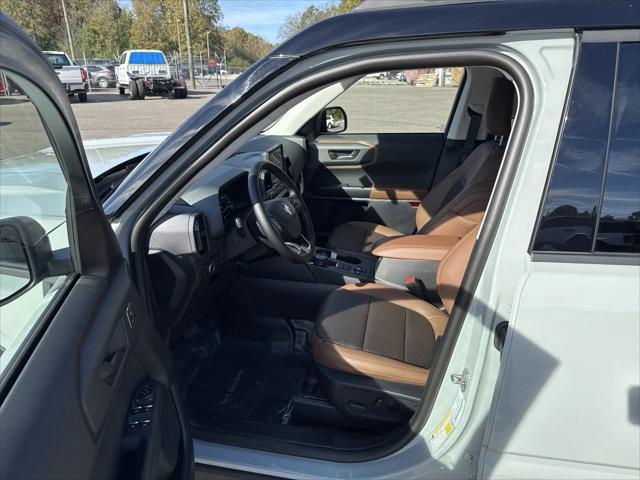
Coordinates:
110	366
343	154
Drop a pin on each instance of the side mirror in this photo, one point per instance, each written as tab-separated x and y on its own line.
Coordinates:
333	120
25	253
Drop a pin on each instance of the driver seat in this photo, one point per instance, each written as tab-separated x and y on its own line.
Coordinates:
374	344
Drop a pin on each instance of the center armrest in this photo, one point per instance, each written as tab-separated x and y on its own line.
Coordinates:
415	247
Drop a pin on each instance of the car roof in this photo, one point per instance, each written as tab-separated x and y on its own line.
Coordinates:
383	20
143	50
55	52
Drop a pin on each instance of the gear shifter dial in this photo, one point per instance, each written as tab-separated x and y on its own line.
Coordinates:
321	259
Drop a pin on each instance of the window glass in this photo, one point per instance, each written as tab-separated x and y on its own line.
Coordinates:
31	185
569	212
401	101
58	59
619	226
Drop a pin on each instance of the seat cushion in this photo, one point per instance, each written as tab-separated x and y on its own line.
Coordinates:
379	332
359	236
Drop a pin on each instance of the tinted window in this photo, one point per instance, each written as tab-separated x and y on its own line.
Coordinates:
569	213
619	227
58	59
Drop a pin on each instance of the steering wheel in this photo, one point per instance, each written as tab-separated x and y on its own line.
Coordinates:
284	222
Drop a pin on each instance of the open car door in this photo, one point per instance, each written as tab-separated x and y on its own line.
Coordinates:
87	387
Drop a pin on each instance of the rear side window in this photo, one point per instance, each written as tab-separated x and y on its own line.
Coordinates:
58	60
619	224
593	197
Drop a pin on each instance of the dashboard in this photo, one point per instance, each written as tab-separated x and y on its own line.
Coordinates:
211	225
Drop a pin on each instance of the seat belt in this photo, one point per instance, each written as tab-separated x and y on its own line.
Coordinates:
472	134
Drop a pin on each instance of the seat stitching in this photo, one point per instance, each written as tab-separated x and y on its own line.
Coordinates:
366	325
404	353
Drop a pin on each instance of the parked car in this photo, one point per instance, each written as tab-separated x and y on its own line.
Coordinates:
74	78
147	72
102	62
375	76
101	76
259	297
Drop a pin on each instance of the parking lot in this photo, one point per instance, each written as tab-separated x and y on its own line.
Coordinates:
381	108
109	114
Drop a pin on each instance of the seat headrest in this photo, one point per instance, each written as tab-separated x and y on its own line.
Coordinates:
500	107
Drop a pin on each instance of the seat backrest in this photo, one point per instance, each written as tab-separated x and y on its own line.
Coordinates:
457	203
452	268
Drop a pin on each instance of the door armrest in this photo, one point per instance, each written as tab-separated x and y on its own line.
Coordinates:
415	247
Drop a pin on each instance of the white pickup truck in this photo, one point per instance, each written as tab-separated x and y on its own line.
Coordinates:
147	72
74	79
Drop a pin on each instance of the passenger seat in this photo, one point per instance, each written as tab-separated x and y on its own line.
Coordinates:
456	204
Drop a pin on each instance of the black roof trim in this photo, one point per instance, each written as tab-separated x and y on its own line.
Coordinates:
449	19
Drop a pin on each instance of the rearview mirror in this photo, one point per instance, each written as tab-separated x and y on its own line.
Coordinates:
333	120
25	252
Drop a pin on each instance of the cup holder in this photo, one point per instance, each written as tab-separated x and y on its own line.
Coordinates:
349	259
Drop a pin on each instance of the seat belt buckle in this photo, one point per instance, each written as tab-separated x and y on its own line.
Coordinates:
415	286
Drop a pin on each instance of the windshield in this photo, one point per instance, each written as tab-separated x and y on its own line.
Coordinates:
58	59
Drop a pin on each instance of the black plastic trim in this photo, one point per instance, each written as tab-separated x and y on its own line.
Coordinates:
589	258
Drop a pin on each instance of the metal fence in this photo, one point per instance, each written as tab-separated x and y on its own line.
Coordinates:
206	70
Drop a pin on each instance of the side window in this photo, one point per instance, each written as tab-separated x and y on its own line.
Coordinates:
619	225
592	200
33	194
403	101
122	58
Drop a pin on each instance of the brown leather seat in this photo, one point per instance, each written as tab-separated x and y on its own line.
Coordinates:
379	332
458	202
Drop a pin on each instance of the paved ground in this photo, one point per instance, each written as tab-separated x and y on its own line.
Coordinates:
108	114
388	108
380	108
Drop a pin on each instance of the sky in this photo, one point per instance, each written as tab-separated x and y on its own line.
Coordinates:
262	17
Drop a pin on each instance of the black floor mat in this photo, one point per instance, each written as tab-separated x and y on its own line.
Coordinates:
240	378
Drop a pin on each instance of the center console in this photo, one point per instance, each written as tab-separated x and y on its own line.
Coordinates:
344	263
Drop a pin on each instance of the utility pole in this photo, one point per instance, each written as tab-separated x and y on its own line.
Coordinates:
66	21
208	52
187	30
178	35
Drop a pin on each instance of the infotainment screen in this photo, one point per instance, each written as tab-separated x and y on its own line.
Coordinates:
276	156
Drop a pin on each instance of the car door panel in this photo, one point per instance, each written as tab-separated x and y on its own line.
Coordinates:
67	402
370	177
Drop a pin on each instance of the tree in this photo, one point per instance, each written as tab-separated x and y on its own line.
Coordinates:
105	31
312	14
42	19
159	24
244	48
98	27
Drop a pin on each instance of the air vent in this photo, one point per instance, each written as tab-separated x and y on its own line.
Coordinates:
200	234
